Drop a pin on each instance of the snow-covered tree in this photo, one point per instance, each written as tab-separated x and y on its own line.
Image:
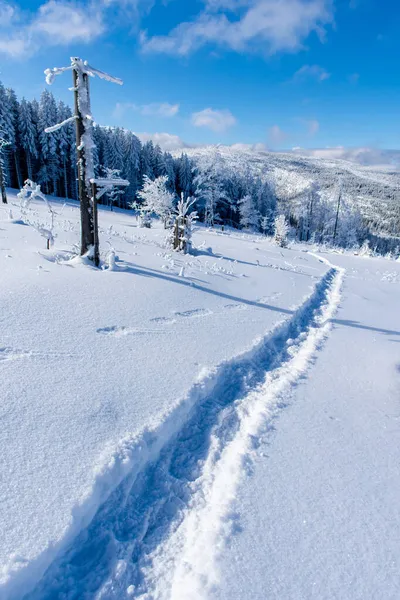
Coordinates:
156	197
249	215
281	231
85	145
184	221
27	134
49	171
209	186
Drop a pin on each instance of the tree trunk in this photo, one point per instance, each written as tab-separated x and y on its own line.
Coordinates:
29	165
65	178
87	217
18	169
337	218
2	185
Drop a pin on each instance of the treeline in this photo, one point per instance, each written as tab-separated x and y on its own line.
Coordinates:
226	192
50	160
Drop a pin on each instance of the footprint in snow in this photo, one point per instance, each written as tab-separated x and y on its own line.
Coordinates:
235	307
197	312
163	320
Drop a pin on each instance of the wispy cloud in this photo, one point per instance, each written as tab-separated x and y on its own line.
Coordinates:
312	126
276	135
267	26
311	72
216	120
155	109
167	141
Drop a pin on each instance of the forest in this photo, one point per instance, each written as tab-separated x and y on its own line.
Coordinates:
226	194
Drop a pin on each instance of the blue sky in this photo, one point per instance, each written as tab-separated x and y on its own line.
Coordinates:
283	73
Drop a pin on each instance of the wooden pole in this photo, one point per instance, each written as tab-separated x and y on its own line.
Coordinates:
87	225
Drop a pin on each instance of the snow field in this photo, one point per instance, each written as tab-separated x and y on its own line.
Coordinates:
98	366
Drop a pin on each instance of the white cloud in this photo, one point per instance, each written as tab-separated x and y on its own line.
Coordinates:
276	135
269	26
167	141
56	22
216	120
155	109
312	126
7	14
364	155
313	72
64	23
258	147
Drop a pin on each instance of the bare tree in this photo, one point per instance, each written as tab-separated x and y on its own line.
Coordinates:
81	71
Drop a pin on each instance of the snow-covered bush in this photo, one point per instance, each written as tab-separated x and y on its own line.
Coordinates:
32	191
142	213
184	221
281	231
156	199
365	249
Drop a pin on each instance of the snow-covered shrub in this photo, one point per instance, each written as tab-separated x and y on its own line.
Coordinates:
29	192
156	199
184	221
365	249
281	231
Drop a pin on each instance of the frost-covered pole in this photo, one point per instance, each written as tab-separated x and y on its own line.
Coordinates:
87	213
81	71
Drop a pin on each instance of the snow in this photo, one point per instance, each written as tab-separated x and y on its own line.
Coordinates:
221	425
320	512
92	367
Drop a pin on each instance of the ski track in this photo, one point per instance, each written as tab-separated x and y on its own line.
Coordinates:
160	533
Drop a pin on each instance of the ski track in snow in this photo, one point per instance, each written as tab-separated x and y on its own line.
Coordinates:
160	533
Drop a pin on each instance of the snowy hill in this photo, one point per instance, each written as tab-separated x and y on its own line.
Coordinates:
374	190
139	403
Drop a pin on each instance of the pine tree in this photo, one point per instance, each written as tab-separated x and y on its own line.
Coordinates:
27	135
8	135
249	215
15	144
64	138
281	231
48	174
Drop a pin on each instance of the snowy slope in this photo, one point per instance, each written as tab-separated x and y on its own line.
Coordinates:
100	369
320	514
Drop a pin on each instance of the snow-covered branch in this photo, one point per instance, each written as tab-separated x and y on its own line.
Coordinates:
54	128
